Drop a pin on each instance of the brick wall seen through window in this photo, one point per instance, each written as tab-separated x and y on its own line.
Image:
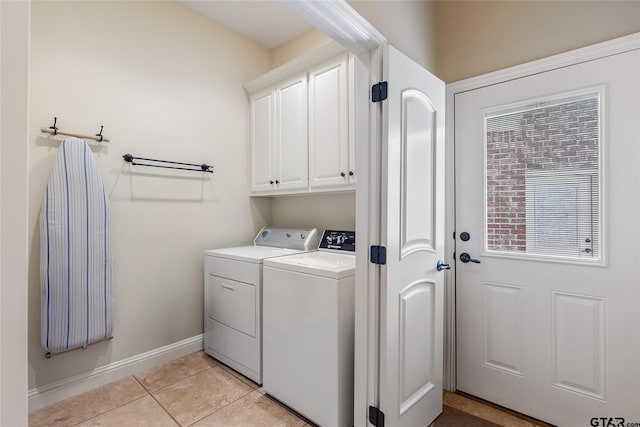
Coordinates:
557	140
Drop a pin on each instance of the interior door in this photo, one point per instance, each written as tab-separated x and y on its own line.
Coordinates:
411	307
547	246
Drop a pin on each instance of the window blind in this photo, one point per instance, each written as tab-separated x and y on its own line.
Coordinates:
542	178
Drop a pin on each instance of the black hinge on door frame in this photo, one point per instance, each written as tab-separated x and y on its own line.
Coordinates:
379	92
376	416
378	255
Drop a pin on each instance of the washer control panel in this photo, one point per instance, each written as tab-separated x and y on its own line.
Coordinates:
338	240
289	238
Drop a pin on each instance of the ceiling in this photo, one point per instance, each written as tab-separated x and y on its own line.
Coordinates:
267	22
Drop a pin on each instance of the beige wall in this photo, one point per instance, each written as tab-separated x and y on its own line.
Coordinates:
476	37
166	83
302	44
14	71
409	26
322	211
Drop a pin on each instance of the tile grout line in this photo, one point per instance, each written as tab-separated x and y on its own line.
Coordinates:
156	400
217	364
181	379
112	409
236	376
228	404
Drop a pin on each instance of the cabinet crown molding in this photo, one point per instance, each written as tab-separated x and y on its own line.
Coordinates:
297	65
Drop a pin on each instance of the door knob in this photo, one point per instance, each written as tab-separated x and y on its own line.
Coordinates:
442	266
465	257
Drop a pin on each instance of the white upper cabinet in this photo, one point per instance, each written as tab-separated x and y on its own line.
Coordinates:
263	139
292	167
301	121
329	149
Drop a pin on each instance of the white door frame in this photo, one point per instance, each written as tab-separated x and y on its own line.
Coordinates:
589	53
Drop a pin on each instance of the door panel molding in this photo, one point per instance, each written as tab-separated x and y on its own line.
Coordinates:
578	353
417	145
502	328
417	305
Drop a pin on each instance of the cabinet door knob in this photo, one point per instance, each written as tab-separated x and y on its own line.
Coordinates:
271	182
350	173
342	174
277	182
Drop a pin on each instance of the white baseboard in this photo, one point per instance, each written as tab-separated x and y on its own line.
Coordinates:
49	394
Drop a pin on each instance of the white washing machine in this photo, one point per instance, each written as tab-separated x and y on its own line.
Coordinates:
233	296
308	325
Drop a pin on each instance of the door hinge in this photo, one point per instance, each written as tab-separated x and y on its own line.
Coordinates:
376	416
378	255
379	92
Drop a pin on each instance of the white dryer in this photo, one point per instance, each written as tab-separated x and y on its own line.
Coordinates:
233	296
308	325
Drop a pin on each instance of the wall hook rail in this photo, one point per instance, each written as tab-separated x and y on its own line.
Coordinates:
54	127
193	166
55	130
99	134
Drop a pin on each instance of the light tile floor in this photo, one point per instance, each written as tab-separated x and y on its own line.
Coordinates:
196	390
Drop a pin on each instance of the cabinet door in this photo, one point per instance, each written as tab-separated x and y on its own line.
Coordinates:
263	141
328	124
351	99
292	168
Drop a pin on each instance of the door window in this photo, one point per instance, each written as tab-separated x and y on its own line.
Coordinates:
542	175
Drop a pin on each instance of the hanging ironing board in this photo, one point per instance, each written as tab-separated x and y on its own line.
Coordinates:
75	253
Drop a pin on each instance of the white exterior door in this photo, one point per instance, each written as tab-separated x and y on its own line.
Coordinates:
547	194
411	297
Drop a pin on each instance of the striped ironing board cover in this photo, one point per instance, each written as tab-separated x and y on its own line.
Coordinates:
75	252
